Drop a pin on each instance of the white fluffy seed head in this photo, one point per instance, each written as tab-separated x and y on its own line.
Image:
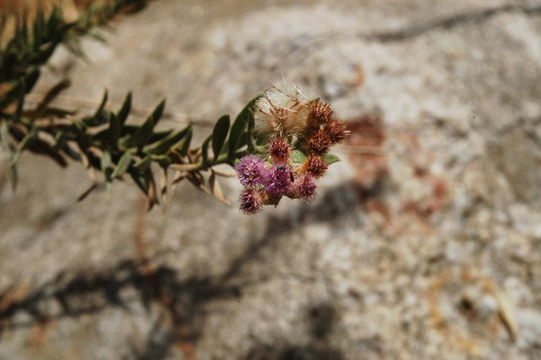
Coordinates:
282	110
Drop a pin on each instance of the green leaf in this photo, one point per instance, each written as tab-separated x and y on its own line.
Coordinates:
166	144
156	135
139	179
105	163
186	144
102	104
145	132
238	129
144	162
219	134
26	141
114	130
331	159
124	110
123	165
4	137
205	149
298	157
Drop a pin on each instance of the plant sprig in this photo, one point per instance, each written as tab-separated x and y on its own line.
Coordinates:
105	142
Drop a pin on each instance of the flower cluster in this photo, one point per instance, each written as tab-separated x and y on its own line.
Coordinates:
291	123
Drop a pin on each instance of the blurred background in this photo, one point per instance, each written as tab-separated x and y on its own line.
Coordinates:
423	243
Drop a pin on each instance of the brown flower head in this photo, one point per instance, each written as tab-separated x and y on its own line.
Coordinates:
279	150
320	113
315	166
318	143
336	131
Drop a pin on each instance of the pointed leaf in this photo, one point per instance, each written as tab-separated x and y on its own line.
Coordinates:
105	163
166	144
123	165
183	150
219	134
114	130
125	110
205	149
239	127
145	132
23	144
331	159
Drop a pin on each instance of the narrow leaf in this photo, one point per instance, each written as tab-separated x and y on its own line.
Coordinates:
145	132
186	144
205	149
219	134
166	144
123	165
114	130
239	127
125	110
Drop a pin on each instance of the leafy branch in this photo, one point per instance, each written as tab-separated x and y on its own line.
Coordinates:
105	142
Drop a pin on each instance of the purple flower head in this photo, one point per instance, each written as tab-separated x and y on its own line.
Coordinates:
251	170
305	187
250	201
279	180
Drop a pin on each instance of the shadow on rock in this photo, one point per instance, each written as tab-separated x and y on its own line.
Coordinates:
321	319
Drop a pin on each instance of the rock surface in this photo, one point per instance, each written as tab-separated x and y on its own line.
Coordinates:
424	242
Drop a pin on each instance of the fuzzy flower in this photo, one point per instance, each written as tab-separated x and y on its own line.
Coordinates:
337	131
315	166
319	142
320	113
251	171
279	181
304	187
289	122
250	201
279	150
282	110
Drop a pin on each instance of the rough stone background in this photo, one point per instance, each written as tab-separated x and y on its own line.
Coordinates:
424	243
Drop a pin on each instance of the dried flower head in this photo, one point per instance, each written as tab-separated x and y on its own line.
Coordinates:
336	130
281	110
320	113
319	142
251	201
251	171
279	150
315	166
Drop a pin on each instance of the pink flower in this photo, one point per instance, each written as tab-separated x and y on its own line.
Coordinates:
250	201
279	180
251	171
305	187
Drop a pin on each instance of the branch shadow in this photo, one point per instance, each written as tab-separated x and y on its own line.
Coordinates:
74	295
321	319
